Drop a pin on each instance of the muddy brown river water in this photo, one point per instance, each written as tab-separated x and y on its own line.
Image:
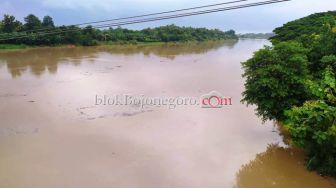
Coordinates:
54	135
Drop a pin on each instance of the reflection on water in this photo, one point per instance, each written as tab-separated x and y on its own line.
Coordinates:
278	167
53	135
47	59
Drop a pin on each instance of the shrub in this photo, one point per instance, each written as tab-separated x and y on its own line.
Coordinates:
313	126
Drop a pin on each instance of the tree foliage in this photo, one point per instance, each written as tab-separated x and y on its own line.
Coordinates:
313	125
48	22
275	79
309	26
32	22
9	24
294	82
92	36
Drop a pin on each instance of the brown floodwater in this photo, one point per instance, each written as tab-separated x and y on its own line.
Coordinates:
54	135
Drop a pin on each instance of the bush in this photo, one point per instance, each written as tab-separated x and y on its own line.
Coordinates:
313	126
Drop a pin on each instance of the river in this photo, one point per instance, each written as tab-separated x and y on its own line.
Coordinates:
54	133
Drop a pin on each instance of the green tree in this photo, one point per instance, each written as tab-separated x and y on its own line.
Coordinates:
32	22
88	36
9	24
48	22
296	85
275	79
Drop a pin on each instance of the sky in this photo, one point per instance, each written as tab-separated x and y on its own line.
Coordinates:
255	19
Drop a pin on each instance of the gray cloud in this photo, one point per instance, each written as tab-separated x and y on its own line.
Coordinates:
257	19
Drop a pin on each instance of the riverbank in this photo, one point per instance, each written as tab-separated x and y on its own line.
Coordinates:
14	47
284	132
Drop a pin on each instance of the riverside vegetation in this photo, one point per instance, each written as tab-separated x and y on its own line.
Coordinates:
88	36
294	83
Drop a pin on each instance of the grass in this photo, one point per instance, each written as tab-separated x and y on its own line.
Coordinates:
12	46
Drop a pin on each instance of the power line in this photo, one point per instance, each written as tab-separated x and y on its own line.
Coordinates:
161	18
144	15
190	14
166	12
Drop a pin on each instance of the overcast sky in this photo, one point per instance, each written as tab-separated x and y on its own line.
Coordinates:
256	19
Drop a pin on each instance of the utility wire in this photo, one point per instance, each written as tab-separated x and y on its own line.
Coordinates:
144	15
166	12
162	18
190	14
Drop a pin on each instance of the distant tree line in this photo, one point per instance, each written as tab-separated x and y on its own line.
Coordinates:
33	27
256	35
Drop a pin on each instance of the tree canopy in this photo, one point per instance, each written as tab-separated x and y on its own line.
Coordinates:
9	24
32	22
48	22
294	82
310	26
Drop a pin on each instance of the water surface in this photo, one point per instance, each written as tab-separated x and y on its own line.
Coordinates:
53	135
